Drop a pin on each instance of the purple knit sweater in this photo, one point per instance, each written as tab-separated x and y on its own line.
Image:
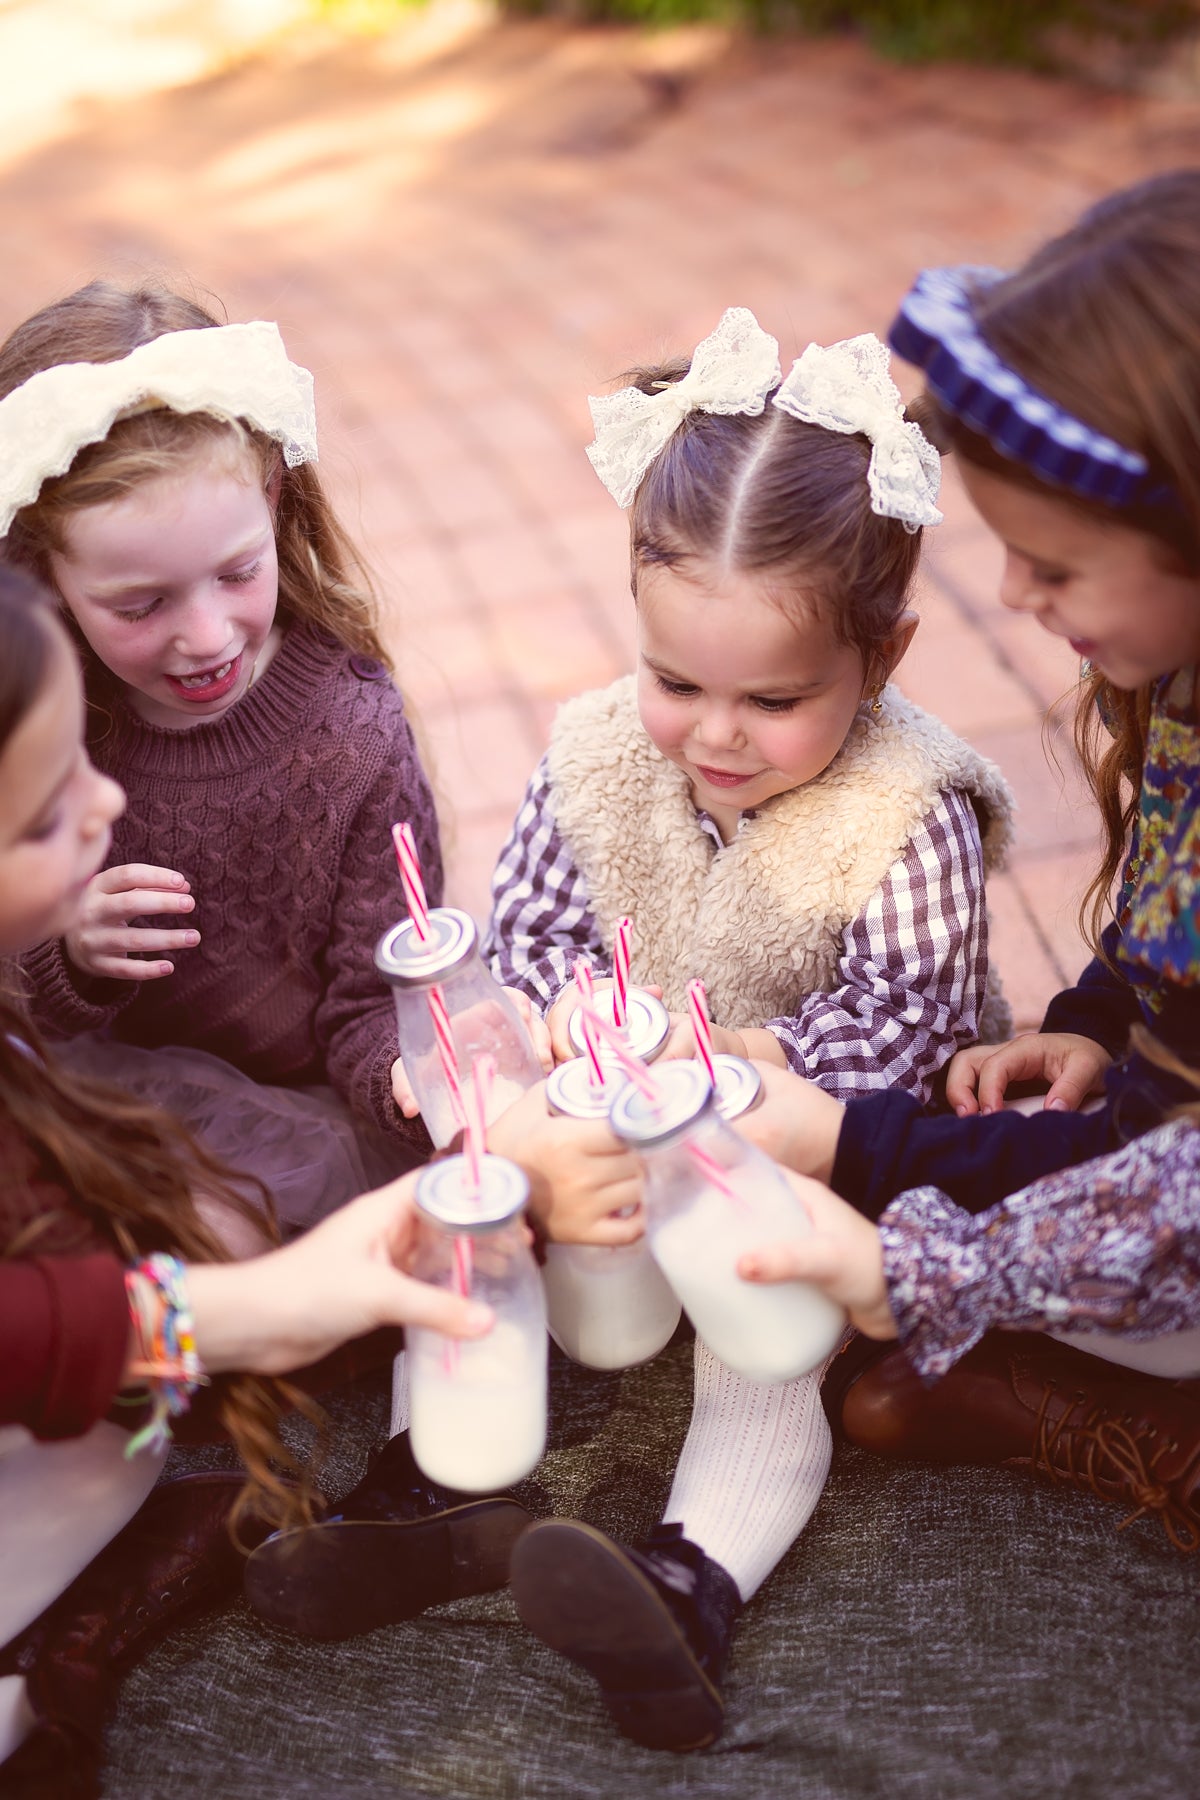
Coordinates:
279	815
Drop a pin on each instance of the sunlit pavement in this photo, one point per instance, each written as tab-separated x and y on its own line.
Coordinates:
463	227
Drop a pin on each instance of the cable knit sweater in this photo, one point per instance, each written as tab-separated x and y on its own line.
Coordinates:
279	815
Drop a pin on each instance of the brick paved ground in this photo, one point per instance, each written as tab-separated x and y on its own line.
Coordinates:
464	227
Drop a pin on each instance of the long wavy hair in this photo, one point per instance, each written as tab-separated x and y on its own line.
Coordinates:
128	1175
322	577
1105	320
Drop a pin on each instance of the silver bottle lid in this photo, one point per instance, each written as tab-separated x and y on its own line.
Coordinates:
405	961
647	1027
569	1090
739	1085
684	1093
445	1194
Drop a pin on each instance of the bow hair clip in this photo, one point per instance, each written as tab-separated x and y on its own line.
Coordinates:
848	387
732	371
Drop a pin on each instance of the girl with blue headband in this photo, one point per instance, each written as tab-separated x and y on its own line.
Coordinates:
1070	393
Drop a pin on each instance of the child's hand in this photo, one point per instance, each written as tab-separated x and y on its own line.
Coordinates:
402	1092
535	1025
751	1045
579	1175
102	942
842	1256
796	1123
1073	1066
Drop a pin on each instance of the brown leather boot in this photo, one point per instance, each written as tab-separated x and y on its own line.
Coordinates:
174	1556
1023	1401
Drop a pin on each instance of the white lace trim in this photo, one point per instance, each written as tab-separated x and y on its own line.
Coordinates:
732	371
848	387
230	371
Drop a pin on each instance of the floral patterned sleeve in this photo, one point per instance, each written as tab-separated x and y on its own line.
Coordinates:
1110	1245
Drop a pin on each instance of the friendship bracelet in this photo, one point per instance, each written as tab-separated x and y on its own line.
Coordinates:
167	1358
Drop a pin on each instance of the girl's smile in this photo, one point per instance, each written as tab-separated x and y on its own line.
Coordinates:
1113	593
749	700
175	588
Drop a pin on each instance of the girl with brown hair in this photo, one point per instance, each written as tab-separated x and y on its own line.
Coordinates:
1070	393
157	475
116	1288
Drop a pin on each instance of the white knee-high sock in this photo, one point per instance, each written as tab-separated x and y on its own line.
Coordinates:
399	1396
753	1466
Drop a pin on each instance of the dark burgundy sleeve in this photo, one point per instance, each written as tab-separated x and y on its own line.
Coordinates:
64	1333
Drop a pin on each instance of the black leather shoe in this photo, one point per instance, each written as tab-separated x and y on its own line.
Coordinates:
652	1626
397	1544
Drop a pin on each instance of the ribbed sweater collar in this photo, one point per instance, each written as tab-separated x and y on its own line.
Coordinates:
244	736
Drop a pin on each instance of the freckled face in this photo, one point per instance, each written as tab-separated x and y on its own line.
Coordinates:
175	587
749	700
1111	592
56	811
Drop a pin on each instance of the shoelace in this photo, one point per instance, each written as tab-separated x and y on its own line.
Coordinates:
1131	1470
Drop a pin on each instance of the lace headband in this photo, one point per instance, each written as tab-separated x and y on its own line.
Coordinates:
844	388
936	329
230	371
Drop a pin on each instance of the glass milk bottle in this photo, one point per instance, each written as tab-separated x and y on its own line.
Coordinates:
609	1305
739	1085
709	1198
482	1018
478	1407
646	1029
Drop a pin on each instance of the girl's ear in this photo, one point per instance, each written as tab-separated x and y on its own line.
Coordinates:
891	652
275	487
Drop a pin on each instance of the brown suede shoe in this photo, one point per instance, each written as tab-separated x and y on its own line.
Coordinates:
1023	1401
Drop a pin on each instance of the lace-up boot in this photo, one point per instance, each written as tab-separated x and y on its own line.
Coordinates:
1023	1401
173	1557
651	1625
397	1544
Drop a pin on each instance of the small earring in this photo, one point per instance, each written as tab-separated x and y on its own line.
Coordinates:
876	702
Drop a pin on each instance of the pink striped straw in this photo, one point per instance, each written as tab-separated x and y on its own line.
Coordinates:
697	1001
621	973
586	987
411	878
483	1071
447	1052
646	1085
633	1066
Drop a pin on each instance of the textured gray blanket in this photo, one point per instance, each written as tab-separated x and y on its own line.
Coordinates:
934	1634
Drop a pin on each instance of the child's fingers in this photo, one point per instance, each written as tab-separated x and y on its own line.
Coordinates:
124	968
962	1078
402	1092
612	1231
128	876
120	905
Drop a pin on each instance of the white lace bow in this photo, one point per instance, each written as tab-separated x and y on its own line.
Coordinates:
231	371
848	387
732	371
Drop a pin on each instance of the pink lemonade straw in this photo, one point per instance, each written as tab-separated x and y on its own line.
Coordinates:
411	878
621	973
646	1085
701	1027
582	970
446	1050
483	1071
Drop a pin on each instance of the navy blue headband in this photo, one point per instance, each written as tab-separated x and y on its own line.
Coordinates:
936	329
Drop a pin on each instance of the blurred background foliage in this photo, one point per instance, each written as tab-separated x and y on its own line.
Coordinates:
1085	35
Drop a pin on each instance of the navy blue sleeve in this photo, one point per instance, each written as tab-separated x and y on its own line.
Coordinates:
888	1144
1100	1006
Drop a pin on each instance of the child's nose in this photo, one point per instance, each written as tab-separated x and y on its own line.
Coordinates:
719	727
106	802
203	632
1016	587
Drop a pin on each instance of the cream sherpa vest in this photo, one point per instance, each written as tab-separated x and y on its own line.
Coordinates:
760	921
